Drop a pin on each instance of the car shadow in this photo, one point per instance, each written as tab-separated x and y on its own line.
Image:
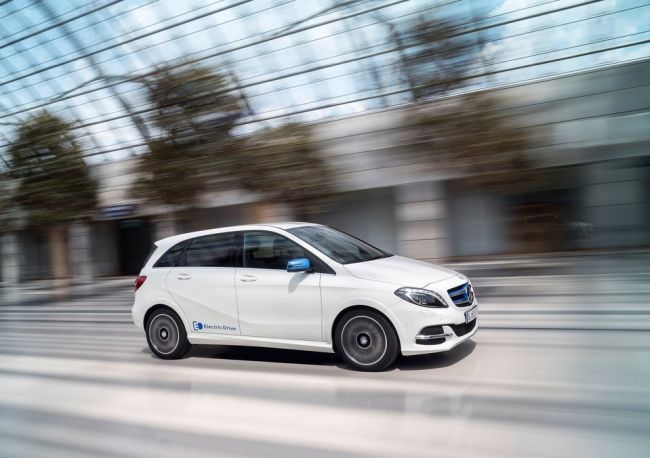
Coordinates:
282	356
267	355
436	360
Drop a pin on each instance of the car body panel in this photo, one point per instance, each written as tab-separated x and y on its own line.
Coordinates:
207	295
246	341
279	304
153	292
400	270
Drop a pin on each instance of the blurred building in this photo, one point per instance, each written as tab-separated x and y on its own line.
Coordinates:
596	136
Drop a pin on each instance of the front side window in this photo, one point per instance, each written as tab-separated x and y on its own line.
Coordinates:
337	245
216	250
268	250
171	256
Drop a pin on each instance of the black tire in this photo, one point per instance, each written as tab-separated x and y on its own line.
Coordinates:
166	334
366	340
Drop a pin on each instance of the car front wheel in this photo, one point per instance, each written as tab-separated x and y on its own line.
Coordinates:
366	340
166	335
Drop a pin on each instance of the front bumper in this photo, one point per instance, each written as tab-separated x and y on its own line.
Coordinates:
451	340
447	326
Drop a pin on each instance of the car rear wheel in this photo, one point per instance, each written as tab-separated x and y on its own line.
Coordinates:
166	335
366	340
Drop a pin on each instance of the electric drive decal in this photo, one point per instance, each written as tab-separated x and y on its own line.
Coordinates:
198	326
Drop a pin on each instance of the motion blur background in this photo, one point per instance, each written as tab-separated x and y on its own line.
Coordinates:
436	130
507	139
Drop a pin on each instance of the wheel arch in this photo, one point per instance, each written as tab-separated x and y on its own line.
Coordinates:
159	306
361	308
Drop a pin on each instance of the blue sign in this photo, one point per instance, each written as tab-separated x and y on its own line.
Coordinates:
116	211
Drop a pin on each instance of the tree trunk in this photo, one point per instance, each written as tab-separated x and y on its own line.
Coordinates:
268	212
58	244
185	220
165	226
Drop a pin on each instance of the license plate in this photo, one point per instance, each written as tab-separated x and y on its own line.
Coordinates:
471	314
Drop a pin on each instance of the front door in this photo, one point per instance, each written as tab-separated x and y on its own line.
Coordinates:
273	302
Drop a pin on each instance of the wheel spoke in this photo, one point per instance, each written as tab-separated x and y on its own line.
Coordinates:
364	340
163	334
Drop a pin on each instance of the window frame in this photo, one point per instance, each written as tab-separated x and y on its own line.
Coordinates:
233	252
317	264
237	255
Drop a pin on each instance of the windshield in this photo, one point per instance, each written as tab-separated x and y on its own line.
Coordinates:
337	245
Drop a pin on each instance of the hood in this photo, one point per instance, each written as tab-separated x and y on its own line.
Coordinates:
400	271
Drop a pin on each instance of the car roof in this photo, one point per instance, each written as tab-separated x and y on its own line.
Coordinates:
169	241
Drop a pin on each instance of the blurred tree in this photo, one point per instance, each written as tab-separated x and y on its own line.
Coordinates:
7	223
282	165
193	150
434	56
471	136
55	187
196	150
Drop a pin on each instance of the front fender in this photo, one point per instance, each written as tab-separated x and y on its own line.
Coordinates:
335	311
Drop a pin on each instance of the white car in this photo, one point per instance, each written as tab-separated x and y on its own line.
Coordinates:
299	286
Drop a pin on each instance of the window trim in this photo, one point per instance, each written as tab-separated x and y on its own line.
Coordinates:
318	265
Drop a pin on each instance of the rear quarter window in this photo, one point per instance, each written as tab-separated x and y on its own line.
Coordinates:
172	256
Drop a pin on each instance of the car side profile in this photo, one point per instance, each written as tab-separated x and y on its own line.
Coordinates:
299	286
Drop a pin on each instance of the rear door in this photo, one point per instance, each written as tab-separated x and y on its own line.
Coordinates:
202	284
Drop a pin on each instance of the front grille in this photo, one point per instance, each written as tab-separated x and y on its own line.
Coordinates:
462	329
462	296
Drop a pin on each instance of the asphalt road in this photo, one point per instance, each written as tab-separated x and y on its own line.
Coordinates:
77	379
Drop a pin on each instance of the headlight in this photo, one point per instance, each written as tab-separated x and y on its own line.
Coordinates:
419	296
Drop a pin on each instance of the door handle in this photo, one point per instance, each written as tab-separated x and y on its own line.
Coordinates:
248	278
183	276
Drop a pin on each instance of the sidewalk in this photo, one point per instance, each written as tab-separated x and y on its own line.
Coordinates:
589	262
50	291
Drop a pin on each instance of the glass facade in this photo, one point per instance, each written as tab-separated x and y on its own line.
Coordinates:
290	60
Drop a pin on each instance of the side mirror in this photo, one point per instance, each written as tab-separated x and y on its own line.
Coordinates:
298	265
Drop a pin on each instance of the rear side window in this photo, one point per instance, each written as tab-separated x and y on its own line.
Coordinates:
216	250
172	256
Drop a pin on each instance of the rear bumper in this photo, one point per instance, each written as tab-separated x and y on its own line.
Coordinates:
137	314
